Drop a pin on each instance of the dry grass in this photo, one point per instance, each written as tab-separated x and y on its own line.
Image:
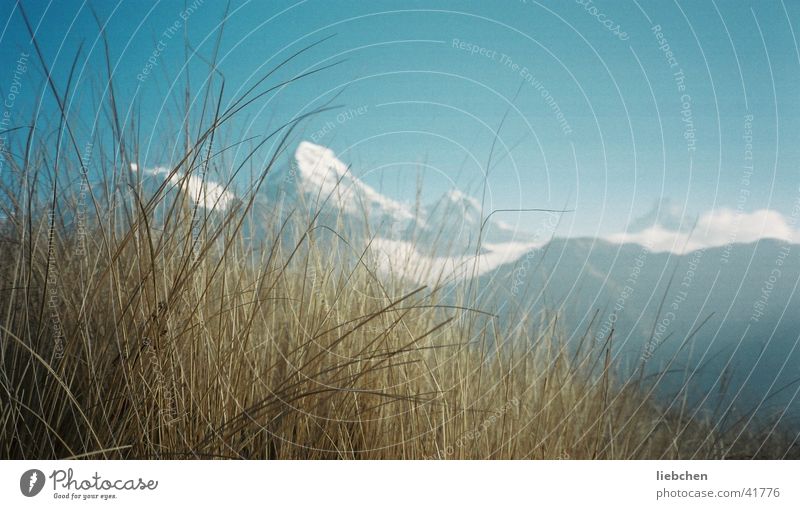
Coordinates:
165	332
166	356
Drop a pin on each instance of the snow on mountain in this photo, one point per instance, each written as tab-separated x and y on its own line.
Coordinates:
321	174
206	194
468	206
664	214
438	243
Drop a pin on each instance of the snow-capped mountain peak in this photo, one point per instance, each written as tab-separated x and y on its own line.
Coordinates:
422	244
318	168
663	214
321	174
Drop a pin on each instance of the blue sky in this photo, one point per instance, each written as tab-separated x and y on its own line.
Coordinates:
596	112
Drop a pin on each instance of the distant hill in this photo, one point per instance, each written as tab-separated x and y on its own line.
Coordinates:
740	301
723	320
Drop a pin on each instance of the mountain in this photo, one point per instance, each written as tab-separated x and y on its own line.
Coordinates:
663	214
438	243
721	320
318	179
691	308
707	305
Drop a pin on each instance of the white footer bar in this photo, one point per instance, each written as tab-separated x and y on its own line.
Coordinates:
389	484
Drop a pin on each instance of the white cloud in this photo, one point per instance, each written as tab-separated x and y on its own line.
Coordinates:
714	229
403	259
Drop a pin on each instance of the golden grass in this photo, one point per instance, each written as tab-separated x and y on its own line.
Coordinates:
177	350
143	326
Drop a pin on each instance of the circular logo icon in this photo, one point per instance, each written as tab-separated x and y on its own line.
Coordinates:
31	482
